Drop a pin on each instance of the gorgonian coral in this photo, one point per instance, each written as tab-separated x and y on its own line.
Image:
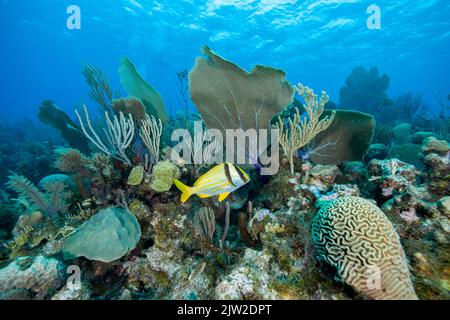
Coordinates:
54	201
355	236
301	131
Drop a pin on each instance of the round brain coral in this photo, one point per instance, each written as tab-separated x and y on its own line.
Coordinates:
355	236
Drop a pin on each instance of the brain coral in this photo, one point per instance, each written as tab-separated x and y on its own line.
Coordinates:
355	236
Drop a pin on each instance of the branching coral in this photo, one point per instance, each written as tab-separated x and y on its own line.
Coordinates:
53	202
301	131
71	161
101	164
205	223
98	81
150	133
74	162
19	241
119	133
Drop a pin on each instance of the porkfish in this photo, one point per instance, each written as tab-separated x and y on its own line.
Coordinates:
220	180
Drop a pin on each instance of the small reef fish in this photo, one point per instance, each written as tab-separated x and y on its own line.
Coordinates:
220	180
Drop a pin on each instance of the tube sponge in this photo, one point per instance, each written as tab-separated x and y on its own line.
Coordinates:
355	237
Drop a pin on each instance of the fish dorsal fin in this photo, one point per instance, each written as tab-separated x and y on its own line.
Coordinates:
208	174
223	196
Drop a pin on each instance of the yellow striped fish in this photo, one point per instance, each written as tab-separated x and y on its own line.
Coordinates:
220	180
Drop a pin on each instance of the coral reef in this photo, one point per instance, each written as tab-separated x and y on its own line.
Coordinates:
50	114
119	134
54	201
100	87
365	90
361	211
128	106
346	139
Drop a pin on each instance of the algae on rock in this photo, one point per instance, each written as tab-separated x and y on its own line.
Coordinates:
164	172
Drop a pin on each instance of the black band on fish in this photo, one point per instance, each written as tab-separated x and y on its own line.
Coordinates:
241	175
228	174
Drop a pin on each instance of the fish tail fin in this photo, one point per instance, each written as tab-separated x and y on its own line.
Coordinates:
186	191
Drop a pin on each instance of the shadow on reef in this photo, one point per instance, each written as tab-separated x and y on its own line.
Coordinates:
357	210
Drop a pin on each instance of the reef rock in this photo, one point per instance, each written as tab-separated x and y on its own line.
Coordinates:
376	151
249	279
444	206
420	136
73	293
31	278
402	133
323	176
437	173
433	145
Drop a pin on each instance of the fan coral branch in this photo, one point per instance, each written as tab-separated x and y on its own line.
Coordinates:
119	133
301	131
205	223
150	133
98	81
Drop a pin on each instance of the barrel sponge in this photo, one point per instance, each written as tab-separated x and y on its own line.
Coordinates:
355	237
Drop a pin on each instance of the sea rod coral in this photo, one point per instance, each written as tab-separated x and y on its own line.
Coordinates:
119	133
301	131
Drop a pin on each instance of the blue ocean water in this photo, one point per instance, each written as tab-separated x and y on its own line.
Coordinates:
317	42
